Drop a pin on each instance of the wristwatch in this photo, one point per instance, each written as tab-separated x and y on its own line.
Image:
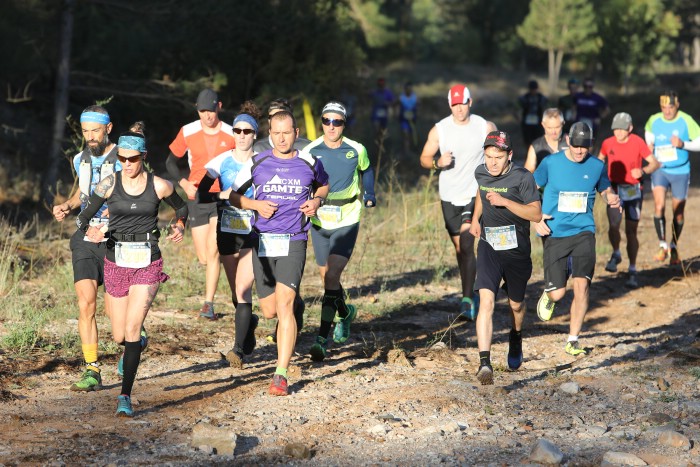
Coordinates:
323	200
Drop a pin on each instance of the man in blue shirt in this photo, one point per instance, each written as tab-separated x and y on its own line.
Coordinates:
570	179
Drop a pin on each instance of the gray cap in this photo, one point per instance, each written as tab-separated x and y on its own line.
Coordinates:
580	135
621	121
208	100
334	107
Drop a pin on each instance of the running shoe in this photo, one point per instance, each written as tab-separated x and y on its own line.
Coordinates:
318	350
124	406
574	348
341	333
207	311
120	365
515	350
615	259
272	338
485	375
632	280
89	381
249	341
278	387
545	307
235	358
675	258
468	309
662	254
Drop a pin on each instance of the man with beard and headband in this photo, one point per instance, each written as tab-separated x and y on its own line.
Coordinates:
97	161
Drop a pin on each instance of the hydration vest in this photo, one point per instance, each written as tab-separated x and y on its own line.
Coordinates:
85	170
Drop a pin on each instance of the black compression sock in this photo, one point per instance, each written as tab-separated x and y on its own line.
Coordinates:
660	225
132	358
244	313
485	358
677	229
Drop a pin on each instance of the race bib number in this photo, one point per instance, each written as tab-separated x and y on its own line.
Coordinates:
573	201
629	192
236	221
94	222
273	245
381	113
502	238
134	255
408	115
532	119
330	214
665	153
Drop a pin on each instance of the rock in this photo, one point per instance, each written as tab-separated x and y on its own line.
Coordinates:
628	397
674	439
692	406
546	452
380	429
596	430
662	384
221	439
206	449
451	427
570	388
658	418
398	357
621	458
297	451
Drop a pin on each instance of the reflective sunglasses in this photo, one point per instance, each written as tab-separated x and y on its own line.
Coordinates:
336	122
131	159
245	131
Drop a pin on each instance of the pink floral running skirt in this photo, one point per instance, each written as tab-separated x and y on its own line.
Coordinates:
119	279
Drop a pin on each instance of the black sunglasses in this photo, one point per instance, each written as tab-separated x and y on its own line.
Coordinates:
245	131
336	122
131	159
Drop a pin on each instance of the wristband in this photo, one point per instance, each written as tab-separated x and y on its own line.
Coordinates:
435	166
323	200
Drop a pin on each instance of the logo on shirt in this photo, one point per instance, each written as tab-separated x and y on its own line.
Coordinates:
223	144
283	185
350	154
133	205
494	188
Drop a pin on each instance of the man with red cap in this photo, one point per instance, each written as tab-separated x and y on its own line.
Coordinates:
459	138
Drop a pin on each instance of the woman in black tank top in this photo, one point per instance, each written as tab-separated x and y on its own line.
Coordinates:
133	264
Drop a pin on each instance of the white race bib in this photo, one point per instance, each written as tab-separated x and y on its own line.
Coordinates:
629	192
381	113
94	222
236	221
532	119
665	153
572	201
408	115
134	255
330	214
502	238
273	245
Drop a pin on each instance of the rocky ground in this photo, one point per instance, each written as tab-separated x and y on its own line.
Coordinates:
401	391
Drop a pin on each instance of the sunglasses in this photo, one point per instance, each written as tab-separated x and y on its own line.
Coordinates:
336	122
131	159
245	131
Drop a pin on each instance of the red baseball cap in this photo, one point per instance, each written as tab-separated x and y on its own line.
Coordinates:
459	94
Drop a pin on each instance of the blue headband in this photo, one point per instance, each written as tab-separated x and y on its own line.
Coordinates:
132	142
247	119
94	117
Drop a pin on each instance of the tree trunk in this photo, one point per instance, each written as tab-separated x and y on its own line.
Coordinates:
60	102
696	53
552	72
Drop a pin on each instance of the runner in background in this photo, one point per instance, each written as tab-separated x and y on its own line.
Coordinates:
670	134
408	109
201	141
625	154
553	140
567	104
591	107
532	105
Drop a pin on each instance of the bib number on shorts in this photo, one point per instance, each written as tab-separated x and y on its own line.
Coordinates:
273	245
94	222
134	255
237	221
502	238
629	192
532	119
330	214
573	201
666	153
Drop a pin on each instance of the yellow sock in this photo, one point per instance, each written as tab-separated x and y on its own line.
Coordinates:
90	355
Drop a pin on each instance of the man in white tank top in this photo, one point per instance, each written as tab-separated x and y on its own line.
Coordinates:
459	137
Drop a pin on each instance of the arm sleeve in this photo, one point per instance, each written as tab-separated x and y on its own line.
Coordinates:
203	195
693	145
171	164
179	205
368	182
94	203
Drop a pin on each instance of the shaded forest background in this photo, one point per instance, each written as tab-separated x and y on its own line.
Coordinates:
148	59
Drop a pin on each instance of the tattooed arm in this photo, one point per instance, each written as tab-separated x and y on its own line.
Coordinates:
102	192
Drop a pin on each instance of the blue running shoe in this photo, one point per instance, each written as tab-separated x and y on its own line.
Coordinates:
124	406
515	350
120	365
341	333
468	309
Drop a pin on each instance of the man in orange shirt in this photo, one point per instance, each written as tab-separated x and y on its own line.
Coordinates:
202	140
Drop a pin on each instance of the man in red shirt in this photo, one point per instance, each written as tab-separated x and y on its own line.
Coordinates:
625	153
202	140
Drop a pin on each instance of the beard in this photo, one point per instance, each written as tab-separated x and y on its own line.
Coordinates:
98	151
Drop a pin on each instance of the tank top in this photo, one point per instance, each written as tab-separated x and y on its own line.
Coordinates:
458	185
134	214
543	150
